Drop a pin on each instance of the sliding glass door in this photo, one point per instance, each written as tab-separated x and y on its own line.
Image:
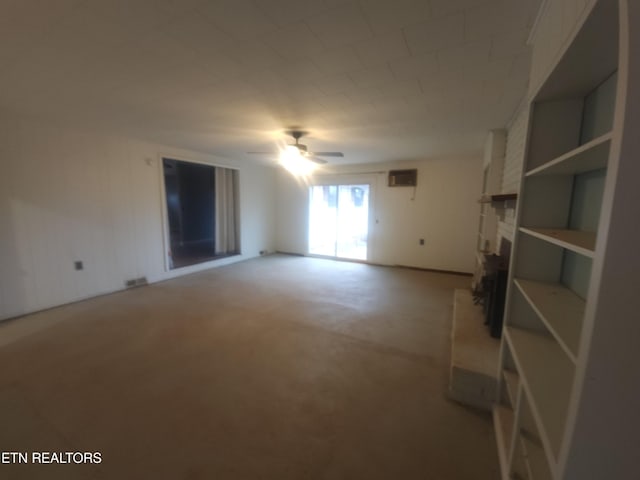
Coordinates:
339	221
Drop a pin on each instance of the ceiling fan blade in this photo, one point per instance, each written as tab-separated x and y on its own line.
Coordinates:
317	160
328	154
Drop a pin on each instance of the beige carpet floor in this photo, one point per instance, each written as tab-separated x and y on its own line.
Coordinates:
276	368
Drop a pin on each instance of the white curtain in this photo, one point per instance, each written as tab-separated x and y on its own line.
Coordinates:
226	211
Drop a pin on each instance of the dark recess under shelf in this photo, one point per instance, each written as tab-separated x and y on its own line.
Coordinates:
503	197
499	197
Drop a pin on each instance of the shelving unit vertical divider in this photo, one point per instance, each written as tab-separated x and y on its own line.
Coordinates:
516	428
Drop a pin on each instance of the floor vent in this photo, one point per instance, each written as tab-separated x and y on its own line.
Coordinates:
136	282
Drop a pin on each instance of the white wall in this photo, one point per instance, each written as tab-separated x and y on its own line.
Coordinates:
68	195
444	212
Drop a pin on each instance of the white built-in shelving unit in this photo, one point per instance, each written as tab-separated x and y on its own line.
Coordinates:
569	387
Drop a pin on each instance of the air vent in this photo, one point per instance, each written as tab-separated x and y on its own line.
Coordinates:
403	178
136	282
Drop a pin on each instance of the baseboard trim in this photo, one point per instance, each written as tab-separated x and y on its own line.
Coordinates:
409	267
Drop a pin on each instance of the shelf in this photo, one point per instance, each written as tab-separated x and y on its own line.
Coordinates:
547	377
559	308
498	197
503	197
503	423
480	256
537	464
593	155
511	380
519	467
575	240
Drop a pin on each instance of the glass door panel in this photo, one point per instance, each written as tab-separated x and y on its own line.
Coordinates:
339	221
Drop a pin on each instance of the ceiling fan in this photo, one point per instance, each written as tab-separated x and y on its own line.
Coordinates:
302	150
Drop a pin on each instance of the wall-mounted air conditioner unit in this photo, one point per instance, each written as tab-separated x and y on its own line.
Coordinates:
403	178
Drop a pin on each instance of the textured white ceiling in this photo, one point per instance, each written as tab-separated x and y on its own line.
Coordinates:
380	80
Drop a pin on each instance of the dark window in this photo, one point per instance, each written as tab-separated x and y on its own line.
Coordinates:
202	212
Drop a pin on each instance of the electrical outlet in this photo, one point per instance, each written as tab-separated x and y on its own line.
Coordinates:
78	265
422	241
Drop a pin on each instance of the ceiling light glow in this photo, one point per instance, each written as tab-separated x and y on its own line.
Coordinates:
295	163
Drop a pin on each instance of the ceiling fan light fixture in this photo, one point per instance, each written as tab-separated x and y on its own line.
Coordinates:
293	160
295	155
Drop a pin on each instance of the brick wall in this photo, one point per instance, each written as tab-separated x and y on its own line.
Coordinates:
511	176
